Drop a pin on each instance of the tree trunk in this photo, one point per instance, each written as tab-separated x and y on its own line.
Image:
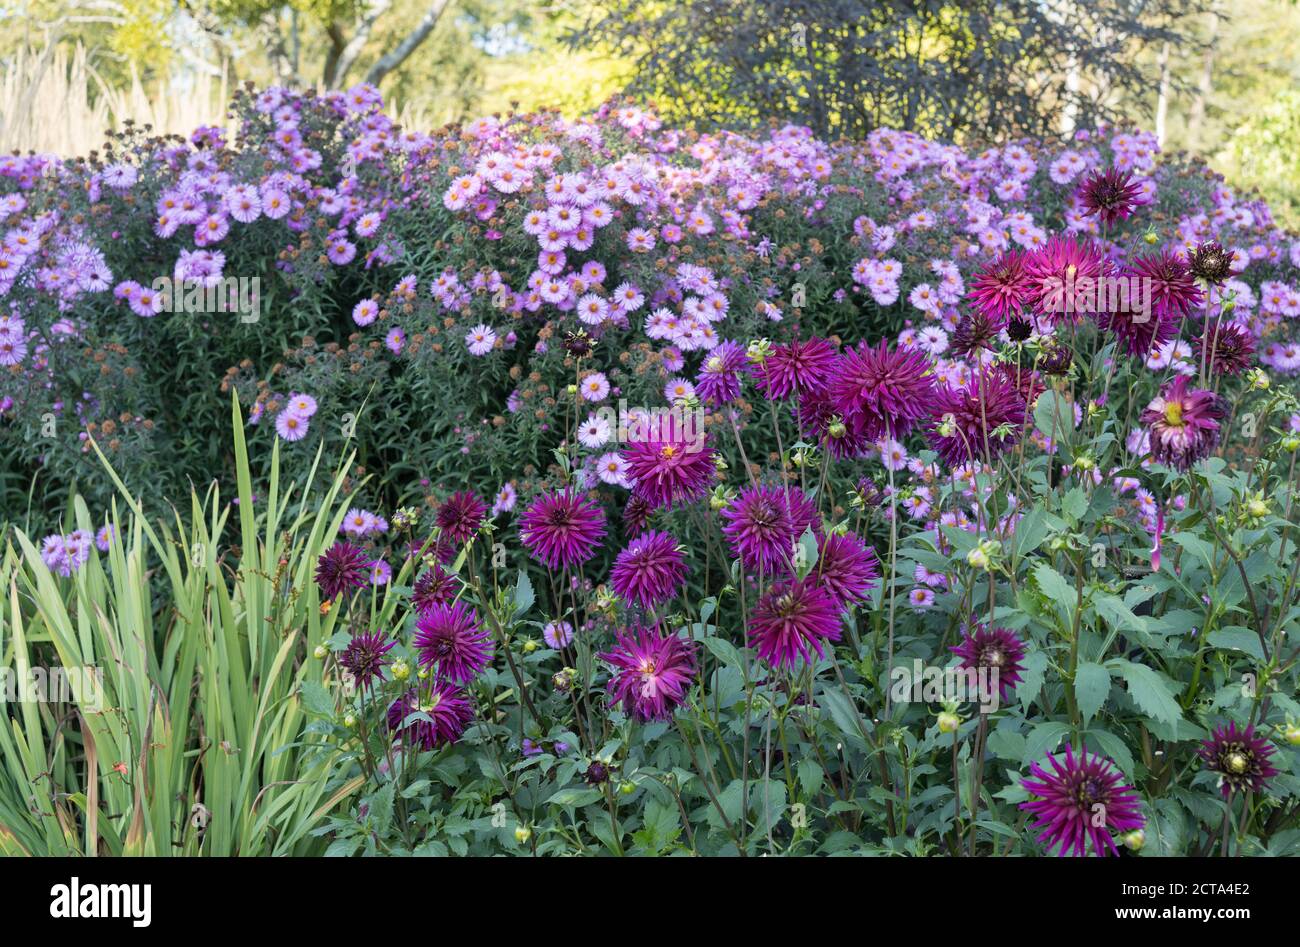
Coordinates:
1162	100
1196	120
398	54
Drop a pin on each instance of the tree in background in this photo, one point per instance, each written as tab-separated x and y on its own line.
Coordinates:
972	68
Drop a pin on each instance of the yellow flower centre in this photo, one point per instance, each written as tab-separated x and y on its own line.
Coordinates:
1174	414
1237	762
668	452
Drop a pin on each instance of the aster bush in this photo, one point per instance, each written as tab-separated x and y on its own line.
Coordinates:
732	495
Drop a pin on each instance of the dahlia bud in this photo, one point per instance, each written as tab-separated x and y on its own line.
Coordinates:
977	558
1292	734
529	646
1084	462
1256	508
949	722
572	389
758	350
1257	378
401	670
561	681
948	426
523	833
626	787
320	652
837	429
349	720
1134	840
1150	237
597	773
1291	443
422	674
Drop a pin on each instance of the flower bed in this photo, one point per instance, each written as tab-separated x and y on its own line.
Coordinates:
710	493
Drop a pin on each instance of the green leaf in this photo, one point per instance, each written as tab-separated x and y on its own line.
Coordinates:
1054	416
381	809
1150	690
1236	638
317	699
524	595
724	651
1091	686
1043	739
574	798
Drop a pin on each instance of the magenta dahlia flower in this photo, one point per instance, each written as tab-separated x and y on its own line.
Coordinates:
435	586
650	570
1240	757
999	650
670	465
881	393
817	416
1173	290
444	713
1183	424
1058	271
636	515
797	368
1083	799
341	568
792	621
652	672
1002	288
1139	332
460	516
989	414
364	657
760	529
1110	195
1226	348
720	376
451	641
562	529
847	568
